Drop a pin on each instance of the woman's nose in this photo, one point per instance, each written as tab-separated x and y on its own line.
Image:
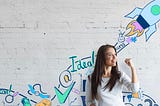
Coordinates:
114	56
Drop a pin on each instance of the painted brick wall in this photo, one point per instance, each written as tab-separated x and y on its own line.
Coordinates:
39	38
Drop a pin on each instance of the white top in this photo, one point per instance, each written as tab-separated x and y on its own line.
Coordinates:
114	97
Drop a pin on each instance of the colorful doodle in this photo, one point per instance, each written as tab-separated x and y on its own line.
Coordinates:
63	96
6	91
147	18
26	102
80	64
65	79
37	92
44	102
144	99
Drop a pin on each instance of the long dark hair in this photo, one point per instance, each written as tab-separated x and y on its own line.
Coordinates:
99	70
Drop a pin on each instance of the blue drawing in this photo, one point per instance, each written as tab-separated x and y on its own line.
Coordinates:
38	92
147	17
25	102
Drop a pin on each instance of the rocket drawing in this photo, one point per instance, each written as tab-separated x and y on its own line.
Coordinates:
147	17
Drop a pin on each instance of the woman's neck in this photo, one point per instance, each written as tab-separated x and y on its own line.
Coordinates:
107	72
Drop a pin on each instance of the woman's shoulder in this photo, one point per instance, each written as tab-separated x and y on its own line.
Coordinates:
122	75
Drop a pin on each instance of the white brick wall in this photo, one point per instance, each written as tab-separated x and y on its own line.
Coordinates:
37	37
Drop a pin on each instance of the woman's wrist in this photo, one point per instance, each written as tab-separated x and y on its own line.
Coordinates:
132	67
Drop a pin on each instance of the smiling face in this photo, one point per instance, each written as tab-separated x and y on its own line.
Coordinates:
110	57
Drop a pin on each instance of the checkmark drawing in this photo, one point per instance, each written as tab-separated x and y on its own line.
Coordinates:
63	96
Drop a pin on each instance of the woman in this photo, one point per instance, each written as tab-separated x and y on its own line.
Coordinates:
106	82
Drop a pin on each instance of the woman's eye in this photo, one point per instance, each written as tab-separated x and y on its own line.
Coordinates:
109	55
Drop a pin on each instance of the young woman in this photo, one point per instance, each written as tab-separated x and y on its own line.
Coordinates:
106	82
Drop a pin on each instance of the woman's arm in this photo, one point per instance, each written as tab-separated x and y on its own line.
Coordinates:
131	83
129	62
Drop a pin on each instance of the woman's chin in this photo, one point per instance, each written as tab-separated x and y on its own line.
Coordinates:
114	64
